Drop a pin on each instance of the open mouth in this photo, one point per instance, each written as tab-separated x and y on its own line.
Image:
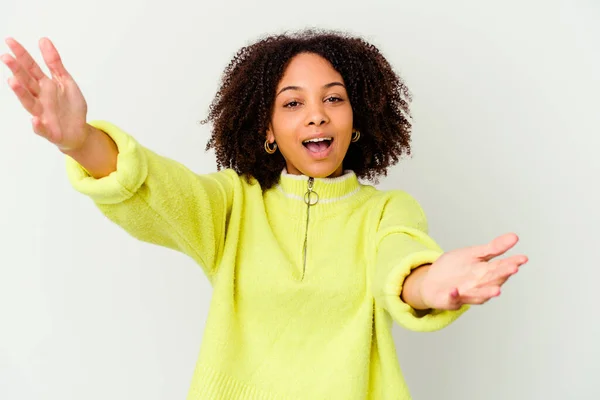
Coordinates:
318	145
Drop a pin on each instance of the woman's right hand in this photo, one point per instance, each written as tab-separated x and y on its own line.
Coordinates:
56	104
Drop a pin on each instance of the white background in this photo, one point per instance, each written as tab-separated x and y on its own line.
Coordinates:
507	132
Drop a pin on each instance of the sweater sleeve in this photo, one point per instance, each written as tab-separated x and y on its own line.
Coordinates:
160	201
403	244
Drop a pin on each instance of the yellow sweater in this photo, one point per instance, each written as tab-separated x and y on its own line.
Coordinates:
304	295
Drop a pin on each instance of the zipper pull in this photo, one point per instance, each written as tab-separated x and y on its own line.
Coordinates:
311	197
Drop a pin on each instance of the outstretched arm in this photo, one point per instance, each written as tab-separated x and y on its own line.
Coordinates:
155	199
470	275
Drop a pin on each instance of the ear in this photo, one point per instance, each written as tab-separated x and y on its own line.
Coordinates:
270	135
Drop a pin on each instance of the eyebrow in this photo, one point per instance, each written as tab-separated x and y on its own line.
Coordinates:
327	86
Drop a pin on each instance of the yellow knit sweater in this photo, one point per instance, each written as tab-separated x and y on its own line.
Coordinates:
304	294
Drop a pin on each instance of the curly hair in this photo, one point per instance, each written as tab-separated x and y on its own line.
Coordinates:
242	108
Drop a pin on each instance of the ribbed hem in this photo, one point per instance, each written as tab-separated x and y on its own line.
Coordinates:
209	384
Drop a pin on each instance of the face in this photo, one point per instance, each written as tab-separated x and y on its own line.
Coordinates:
312	118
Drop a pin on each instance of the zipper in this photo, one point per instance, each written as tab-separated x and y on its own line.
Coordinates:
310	199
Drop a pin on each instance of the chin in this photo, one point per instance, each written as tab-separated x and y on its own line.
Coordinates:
321	170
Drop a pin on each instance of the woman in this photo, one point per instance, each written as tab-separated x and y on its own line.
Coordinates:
309	267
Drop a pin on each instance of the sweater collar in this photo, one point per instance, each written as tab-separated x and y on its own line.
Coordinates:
328	190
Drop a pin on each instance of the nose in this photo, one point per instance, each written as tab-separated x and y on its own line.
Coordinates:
316	115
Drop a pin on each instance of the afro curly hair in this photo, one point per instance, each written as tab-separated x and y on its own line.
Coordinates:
242	107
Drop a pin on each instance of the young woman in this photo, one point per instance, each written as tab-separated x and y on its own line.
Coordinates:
309	266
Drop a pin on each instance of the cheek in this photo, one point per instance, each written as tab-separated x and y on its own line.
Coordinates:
284	123
345	123
286	127
344	115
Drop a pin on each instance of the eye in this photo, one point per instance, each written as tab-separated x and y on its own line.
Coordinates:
291	104
333	99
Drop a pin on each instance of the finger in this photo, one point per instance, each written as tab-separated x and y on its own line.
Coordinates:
24	78
52	59
496	247
25	59
501	270
38	127
477	300
28	101
480	295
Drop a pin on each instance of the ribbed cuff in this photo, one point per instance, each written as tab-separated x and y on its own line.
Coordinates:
404	314
131	172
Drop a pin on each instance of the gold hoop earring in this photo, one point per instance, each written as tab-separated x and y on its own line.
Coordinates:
355	136
270	149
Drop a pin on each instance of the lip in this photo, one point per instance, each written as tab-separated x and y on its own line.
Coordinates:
317	136
321	154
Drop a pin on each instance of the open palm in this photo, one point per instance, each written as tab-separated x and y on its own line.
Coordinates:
56	103
470	275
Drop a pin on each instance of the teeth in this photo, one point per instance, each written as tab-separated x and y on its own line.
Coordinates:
318	140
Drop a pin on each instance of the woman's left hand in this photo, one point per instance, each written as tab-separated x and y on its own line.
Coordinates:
470	275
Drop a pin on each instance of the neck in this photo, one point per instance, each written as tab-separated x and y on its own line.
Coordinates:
291	170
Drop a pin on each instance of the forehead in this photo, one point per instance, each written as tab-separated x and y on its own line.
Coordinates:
308	69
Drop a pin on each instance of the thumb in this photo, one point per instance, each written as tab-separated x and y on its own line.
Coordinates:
496	247
38	127
454	302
